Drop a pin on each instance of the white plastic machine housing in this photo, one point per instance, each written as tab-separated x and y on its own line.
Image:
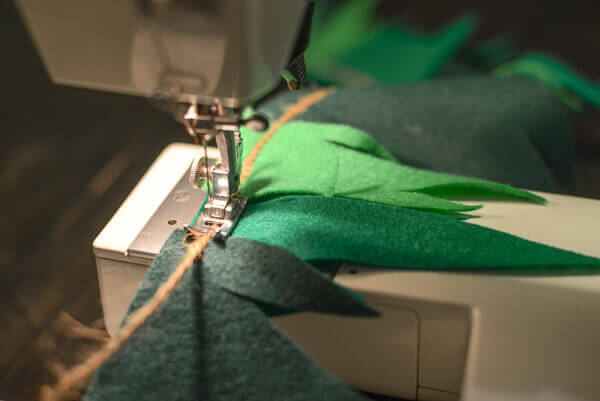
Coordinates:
441	335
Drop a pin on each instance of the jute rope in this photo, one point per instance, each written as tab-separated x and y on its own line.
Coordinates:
303	104
80	374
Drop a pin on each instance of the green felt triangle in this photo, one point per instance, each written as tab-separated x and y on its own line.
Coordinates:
314	227
274	276
348	46
393	55
206	343
341	161
335	33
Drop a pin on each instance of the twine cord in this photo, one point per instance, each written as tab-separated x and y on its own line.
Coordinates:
303	104
67	386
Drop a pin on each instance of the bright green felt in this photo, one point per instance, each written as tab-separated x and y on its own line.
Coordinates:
347	46
320	228
392	55
341	161
337	32
208	344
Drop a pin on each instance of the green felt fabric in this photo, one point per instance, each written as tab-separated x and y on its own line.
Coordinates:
341	161
320	228
566	82
391	55
509	130
347	46
208	344
276	277
212	339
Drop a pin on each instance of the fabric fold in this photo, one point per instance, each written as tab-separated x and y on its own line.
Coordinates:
276	277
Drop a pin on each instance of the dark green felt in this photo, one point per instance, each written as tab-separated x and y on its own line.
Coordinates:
341	161
277	277
510	130
314	227
208	344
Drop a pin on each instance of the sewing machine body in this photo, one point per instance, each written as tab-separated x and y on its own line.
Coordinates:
442	335
201	61
183	51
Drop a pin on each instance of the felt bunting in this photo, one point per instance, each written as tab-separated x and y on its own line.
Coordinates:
213	340
207	343
349	47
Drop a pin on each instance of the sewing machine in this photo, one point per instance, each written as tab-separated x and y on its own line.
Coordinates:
202	61
441	335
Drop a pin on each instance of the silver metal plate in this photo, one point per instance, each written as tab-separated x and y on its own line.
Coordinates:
178	209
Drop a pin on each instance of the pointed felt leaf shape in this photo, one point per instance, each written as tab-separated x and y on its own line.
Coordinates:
276	277
207	344
320	228
349	47
337	32
341	161
383	54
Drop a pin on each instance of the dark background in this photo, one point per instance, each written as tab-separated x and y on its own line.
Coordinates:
69	157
